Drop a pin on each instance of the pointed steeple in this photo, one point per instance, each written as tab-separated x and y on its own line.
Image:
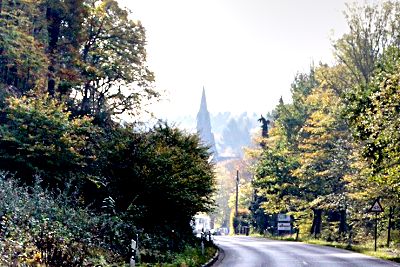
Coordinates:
204	125
203	104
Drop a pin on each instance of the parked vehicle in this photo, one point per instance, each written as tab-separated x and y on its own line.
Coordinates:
201	224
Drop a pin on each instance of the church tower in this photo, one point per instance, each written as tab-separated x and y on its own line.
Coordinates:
204	126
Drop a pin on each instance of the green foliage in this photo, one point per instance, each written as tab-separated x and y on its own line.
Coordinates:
39	137
125	175
190	257
23	61
165	170
89	57
40	227
377	126
373	28
108	35
88	52
334	150
324	147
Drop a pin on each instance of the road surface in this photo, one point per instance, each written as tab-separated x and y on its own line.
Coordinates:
242	251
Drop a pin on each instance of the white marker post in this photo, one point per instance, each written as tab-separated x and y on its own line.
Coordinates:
133	249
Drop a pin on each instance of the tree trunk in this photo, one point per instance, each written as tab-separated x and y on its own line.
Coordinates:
342	224
316	224
85	105
1	5
391	211
53	29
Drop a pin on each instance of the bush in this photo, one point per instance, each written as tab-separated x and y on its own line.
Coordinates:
190	256
39	136
39	227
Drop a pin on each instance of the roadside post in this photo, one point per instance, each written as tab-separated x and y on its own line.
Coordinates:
376	208
133	252
296	227
137	255
202	242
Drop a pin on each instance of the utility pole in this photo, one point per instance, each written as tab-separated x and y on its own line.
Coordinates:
391	212
237	193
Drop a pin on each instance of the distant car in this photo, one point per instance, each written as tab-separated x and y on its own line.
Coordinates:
220	231
223	231
215	231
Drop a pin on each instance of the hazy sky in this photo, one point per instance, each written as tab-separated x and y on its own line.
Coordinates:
245	53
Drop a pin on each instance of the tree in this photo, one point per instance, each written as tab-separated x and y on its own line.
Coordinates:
276	185
376	128
162	178
225	186
373	28
324	144
112	63
22	57
39	138
86	52
371	101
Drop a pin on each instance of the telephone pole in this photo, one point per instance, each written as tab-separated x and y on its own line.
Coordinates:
237	193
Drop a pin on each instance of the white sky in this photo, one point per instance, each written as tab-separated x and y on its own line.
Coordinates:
245	53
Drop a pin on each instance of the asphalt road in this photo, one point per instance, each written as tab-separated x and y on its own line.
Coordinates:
242	251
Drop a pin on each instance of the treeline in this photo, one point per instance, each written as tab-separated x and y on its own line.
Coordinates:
76	185
336	147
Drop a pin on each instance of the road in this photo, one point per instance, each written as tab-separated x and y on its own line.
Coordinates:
242	251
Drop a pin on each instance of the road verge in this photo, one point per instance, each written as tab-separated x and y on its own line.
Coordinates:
218	254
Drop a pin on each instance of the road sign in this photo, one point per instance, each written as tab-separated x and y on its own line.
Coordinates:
283	217
284	226
376	207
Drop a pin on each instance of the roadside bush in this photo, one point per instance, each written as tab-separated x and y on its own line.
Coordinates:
39	136
39	227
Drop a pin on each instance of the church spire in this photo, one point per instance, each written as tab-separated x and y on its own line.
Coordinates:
203	104
204	125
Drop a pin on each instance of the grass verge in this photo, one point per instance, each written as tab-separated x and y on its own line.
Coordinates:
190	257
391	253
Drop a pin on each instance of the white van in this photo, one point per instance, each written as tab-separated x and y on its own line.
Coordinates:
201	223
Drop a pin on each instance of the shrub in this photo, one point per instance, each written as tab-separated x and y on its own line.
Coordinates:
40	227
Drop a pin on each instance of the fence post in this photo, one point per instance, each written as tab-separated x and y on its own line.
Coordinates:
203	236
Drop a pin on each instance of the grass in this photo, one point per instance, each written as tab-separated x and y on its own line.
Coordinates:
391	254
190	257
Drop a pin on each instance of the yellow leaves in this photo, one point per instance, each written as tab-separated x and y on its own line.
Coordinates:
324	99
34	259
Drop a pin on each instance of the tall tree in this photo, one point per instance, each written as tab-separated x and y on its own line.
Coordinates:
22	57
377	127
164	170
371	102
115	78
86	52
274	179
372	29
324	144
